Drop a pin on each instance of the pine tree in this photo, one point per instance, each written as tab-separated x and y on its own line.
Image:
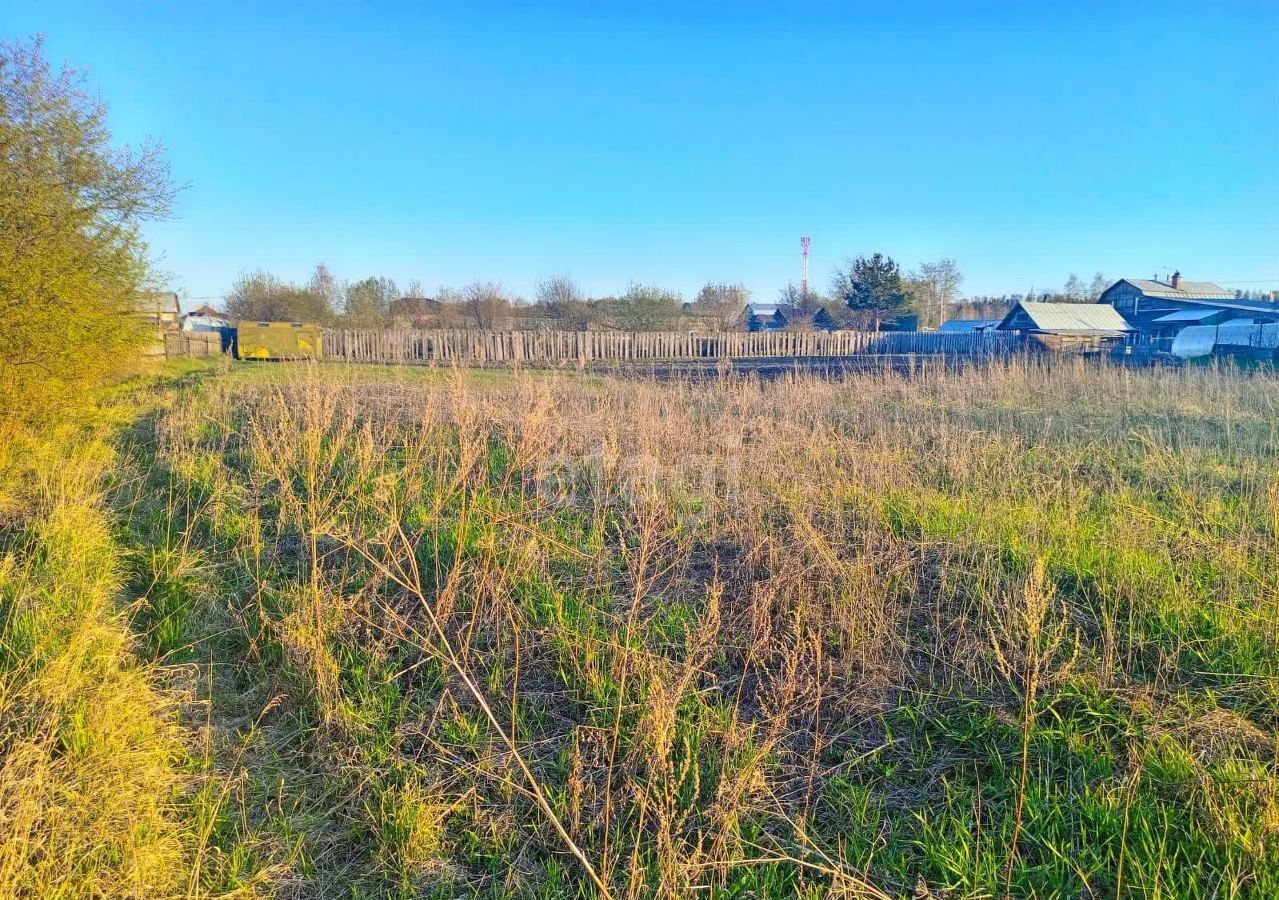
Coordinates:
872	288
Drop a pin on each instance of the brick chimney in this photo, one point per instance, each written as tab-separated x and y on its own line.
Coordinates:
1176	281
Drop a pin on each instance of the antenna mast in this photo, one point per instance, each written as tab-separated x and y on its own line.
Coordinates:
803	247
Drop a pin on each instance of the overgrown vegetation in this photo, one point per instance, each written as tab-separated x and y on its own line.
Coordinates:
71	259
325	632
91	753
1004	632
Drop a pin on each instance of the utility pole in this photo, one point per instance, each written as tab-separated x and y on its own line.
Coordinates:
803	282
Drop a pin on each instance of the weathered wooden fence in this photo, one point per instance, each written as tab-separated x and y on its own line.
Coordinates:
192	343
413	346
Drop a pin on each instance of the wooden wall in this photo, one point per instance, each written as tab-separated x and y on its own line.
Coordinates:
534	347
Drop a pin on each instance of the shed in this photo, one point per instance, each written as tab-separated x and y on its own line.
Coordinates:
1079	327
279	340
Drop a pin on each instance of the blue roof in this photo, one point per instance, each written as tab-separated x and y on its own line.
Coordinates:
965	325
1188	315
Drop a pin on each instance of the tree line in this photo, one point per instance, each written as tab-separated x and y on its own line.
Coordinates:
862	293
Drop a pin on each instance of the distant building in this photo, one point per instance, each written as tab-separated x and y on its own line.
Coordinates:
764	317
1159	310
206	318
824	321
159	312
1067	326
158	308
417	312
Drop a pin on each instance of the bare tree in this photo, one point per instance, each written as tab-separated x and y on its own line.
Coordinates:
323	285
1098	287
936	287
484	303
1074	290
261	296
799	306
562	301
721	305
558	289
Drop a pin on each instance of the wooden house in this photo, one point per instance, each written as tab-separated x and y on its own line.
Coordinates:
764	317
159	312
1159	310
1079	327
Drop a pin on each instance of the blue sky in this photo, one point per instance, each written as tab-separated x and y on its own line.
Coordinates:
676	143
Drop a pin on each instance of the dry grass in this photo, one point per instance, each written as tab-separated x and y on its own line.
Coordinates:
89	749
1010	630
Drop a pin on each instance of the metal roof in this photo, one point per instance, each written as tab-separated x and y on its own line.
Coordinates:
1189	315
1077	318
1187	290
762	310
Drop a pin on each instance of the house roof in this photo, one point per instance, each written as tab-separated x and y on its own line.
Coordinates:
763	310
1186	290
1070	318
156	302
206	310
415	305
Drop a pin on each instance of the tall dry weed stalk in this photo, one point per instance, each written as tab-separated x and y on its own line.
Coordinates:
1033	644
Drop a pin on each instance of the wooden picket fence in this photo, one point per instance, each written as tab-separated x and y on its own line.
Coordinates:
560	347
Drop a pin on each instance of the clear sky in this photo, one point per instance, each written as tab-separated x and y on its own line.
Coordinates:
675	143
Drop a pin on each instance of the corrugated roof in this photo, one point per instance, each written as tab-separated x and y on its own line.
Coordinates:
1188	290
1189	315
1073	317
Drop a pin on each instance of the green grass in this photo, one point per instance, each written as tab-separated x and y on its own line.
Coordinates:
1007	632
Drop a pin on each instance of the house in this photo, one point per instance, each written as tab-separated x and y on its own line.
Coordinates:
158	309
159	312
206	318
1159	310
824	321
1067	326
764	317
417	312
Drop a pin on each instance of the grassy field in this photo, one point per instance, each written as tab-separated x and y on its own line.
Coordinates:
327	632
